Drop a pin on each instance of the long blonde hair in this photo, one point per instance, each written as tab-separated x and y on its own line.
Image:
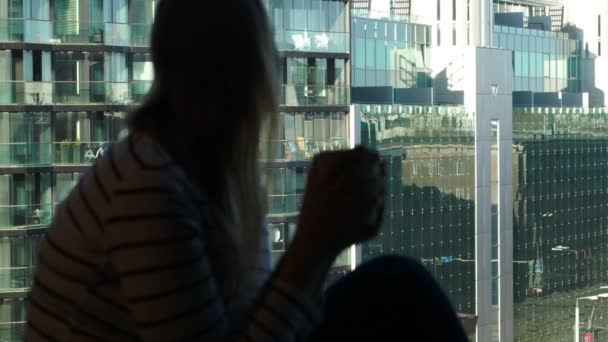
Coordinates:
213	102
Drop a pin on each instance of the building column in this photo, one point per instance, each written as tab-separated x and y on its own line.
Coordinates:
354	139
491	104
486	20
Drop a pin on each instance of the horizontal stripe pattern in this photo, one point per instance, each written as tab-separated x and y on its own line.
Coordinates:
125	260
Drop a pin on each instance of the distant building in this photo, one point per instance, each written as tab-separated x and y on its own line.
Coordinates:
528	236
69	71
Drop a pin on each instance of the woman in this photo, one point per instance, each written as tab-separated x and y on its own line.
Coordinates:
163	239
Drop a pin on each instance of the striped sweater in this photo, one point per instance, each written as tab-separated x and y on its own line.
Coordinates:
125	260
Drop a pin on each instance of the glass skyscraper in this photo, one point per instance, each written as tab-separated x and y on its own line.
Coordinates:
69	71
430	143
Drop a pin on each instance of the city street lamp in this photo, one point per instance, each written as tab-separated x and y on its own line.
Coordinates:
577	322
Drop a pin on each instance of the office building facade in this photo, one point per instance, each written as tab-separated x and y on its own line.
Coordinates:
430	213
513	240
69	71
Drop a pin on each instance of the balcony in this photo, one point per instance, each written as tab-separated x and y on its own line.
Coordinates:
78	153
125	93
12	30
287	204
46	154
25	154
12	321
313	41
16	278
139	90
304	149
12	92
72	92
117	34
25	215
78	32
74	32
315	95
140	34
13	330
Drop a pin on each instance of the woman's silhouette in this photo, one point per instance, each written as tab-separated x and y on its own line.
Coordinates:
164	238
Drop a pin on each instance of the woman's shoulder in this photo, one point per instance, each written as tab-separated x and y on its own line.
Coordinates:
141	163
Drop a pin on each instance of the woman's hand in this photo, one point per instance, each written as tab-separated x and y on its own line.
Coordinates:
343	205
343	202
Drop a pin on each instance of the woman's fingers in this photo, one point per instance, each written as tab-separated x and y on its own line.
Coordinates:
344	199
363	197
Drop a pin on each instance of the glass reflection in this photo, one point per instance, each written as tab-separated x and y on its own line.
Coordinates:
560	221
430	156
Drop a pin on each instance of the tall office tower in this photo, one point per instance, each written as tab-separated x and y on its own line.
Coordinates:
497	150
314	42
69	71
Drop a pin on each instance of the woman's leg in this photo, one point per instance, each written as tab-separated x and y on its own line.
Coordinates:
389	299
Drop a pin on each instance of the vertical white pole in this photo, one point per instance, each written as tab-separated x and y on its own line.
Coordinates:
77	77
576	323
354	139
483	241
505	218
487	22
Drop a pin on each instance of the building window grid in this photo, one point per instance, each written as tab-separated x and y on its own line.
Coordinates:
28	139
312	15
541	63
390	55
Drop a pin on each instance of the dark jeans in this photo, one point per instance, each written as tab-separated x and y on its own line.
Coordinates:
390	298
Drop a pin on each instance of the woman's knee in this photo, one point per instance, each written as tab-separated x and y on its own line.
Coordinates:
398	273
394	265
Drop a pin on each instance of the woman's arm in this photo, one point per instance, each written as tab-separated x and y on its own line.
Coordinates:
289	305
343	204
305	267
155	247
